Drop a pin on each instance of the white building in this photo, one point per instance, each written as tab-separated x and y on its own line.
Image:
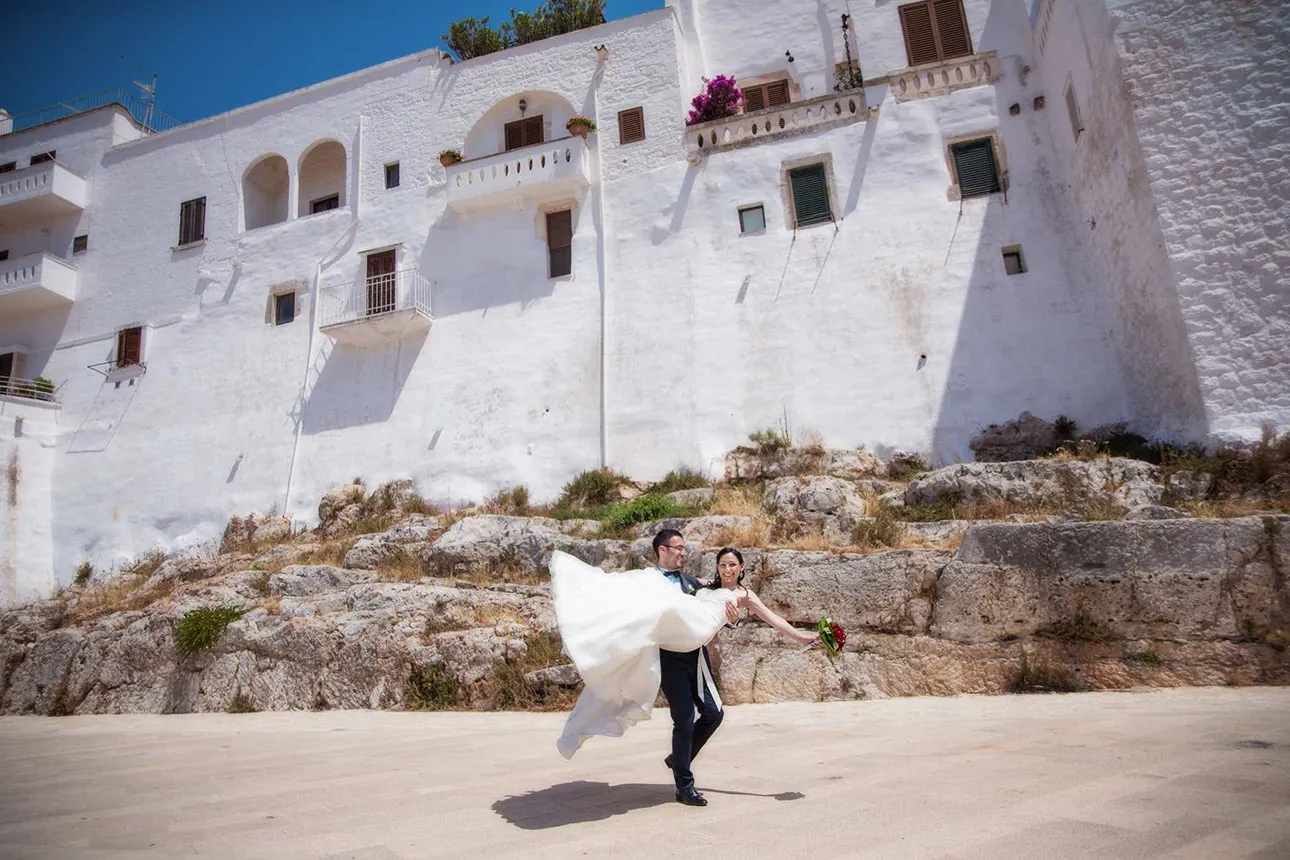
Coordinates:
200	297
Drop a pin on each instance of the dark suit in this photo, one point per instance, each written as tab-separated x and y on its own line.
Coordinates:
680	671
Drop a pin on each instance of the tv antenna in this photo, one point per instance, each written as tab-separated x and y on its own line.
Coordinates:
148	93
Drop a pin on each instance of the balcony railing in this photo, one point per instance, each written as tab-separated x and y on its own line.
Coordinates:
938	79
377	310
28	389
41	191
749	128
144	114
36	282
542	170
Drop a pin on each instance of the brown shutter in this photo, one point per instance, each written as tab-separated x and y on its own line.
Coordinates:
514	135
920	40
532	130
777	94
559	241
128	341
381	283
951	29
754	99
631	125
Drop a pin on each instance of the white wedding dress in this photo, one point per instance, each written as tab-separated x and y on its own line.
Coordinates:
612	626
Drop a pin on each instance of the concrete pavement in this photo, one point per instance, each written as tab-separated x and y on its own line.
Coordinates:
1192	773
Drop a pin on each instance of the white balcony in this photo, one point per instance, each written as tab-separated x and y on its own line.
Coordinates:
539	172
746	129
36	282
36	193
383	309
942	78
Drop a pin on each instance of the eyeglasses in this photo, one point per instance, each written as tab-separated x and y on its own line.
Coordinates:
677	547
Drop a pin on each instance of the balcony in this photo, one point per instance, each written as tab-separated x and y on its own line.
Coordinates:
542	171
36	282
35	193
41	391
746	129
379	310
945	77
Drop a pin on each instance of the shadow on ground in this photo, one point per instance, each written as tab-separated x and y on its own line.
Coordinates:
581	801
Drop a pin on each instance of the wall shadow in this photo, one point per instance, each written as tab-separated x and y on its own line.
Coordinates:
356	387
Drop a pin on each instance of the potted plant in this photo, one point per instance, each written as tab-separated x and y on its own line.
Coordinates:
44	388
720	98
449	157
579	125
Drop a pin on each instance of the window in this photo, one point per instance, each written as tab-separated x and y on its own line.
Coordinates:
8	167
752	219
975	167
559	242
523	132
631	125
129	346
1072	109
8	366
382	283
392	175
43	157
810	189
765	96
1013	262
284	308
935	30
192	221
80	243
324	204
4	255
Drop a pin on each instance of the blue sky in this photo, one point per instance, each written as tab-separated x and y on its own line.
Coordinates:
212	57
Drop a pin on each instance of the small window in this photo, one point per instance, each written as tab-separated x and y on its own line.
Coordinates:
284	308
752	219
975	168
8	167
192	221
4	255
129	346
523	132
324	204
391	175
43	157
631	125
810	189
1013	262
559	242
935	30
80	244
1072	110
8	365
765	96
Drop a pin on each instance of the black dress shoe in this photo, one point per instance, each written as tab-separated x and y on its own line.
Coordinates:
668	761
691	798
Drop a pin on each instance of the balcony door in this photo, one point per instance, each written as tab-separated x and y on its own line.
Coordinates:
382	288
524	132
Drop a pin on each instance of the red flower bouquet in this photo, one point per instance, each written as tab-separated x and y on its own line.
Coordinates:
832	635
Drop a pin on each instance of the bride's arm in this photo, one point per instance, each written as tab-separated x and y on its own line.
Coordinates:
760	610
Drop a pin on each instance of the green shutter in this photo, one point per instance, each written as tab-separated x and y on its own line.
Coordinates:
974	163
810	195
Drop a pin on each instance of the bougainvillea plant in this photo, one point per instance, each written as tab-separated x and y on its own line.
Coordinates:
720	98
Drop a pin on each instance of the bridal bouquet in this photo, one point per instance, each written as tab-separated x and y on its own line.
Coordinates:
832	635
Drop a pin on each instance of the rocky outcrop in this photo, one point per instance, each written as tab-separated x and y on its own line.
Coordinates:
1024	438
486	542
770	462
828	505
1127	483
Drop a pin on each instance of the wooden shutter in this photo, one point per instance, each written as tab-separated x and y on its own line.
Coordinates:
381	283
920	38
754	99
514	135
810	195
559	242
532	130
976	169
951	29
777	94
631	125
192	221
523	132
129	342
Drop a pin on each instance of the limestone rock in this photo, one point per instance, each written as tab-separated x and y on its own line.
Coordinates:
560	676
185	569
301	580
767	463
939	531
1023	438
829	504
1129	483
696	496
853	464
1188	486
392	495
1154	512
338	500
38	685
904	465
371	551
490	542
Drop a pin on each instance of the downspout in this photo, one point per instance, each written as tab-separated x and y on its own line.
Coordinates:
354	198
598	212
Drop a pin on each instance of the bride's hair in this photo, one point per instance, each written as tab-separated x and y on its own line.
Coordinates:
727	550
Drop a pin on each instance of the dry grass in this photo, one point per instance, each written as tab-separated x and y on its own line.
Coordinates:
146	565
755	535
125	592
1228	508
506	689
273	605
330	552
812	542
401	567
741	501
492	614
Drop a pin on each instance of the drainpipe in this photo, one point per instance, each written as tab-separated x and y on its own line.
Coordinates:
355	196
598	212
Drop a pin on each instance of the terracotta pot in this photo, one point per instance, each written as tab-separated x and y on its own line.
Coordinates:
448	160
578	130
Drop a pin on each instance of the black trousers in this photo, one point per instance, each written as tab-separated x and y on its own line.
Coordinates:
680	685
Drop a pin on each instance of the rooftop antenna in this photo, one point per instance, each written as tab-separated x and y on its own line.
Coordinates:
148	93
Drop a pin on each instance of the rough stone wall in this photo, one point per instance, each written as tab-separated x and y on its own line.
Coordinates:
1208	83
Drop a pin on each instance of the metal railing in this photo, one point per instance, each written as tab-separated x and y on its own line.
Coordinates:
373	297
147	116
31	389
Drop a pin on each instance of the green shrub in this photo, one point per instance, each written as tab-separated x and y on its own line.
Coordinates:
771	439
430	688
591	488
1066	427
680	479
84	573
513	501
201	628
648	507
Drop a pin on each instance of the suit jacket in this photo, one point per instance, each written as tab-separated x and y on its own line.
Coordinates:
686	660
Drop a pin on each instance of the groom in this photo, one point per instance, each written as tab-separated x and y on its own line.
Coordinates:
681	680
